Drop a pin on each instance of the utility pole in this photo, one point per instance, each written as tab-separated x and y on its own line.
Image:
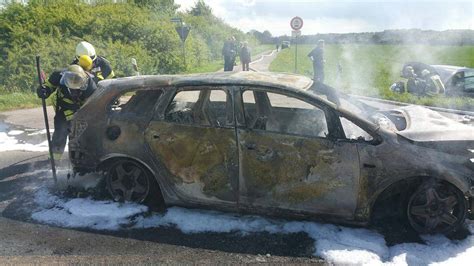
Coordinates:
296	53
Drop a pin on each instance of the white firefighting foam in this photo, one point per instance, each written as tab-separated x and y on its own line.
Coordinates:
336	244
8	142
20	140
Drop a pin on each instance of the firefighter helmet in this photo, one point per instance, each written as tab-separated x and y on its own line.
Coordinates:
85	62
74	77
85	48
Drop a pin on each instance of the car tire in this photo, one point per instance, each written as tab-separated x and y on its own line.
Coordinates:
129	181
436	207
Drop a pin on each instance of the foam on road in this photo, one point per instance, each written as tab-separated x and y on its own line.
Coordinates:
336	244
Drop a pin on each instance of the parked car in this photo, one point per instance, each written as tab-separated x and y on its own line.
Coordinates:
275	144
285	44
458	81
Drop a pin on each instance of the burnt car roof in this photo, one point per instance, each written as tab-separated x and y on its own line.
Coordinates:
282	80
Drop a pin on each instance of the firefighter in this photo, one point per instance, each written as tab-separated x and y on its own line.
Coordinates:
433	83
100	68
245	56
71	86
317	57
229	51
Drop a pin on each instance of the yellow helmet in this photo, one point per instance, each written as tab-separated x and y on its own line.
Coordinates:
85	62
74	77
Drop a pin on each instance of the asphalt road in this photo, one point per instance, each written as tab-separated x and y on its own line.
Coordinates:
24	241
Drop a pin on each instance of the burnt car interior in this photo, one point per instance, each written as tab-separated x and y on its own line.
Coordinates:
283	114
136	103
391	119
263	110
206	107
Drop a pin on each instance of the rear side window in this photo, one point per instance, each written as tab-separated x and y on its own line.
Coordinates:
206	107
139	102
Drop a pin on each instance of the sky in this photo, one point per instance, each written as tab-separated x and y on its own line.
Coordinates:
342	16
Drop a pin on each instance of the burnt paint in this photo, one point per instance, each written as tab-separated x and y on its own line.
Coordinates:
203	157
298	173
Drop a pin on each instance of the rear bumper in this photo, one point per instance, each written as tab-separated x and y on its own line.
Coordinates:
81	160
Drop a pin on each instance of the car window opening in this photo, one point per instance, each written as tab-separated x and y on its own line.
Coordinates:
283	114
206	107
139	102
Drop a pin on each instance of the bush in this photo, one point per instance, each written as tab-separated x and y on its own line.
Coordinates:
119	31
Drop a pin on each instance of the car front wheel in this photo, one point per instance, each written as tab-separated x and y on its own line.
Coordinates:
437	207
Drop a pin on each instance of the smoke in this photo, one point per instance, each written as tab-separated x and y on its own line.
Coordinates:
369	69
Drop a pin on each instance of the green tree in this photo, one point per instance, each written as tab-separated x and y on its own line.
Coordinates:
201	9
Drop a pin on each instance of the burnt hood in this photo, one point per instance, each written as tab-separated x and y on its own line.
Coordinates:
425	125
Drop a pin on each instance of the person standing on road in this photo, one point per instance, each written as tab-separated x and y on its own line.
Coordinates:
229	51
245	56
100	68
72	86
317	56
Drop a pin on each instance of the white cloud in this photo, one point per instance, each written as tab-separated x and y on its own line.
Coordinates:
323	16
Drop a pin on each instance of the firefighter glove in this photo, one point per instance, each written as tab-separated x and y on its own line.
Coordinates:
43	92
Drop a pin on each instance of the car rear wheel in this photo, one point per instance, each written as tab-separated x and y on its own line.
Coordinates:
128	180
436	207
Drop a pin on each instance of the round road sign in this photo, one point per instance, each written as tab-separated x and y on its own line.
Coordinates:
296	23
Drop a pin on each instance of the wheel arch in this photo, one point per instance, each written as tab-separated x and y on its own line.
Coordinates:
392	187
110	158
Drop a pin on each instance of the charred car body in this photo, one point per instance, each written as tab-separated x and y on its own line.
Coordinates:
456	81
273	144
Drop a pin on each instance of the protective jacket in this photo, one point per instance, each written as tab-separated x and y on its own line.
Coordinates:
101	68
68	101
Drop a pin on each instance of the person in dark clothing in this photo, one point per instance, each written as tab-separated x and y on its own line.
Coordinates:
100	68
317	56
245	56
229	51
71	87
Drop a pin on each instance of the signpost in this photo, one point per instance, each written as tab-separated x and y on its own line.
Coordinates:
183	31
296	24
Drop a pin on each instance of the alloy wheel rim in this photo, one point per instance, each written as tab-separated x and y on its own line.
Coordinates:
433	210
128	181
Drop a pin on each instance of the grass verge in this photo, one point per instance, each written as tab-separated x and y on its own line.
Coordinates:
18	100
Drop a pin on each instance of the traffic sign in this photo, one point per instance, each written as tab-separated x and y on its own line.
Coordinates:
296	23
176	20
295	33
183	32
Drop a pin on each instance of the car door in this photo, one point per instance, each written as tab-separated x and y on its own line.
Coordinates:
194	142
288	160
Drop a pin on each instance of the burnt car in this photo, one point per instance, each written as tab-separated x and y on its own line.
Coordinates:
457	81
273	144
